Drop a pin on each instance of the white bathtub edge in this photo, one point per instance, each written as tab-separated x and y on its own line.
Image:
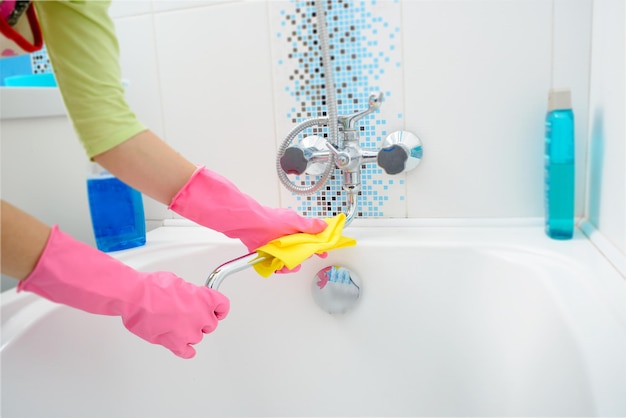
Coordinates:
604	246
416	222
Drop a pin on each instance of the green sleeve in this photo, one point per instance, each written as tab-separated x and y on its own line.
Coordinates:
83	49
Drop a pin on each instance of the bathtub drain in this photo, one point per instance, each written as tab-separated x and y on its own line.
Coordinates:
336	289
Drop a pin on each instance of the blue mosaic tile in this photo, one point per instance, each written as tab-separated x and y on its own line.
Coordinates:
358	60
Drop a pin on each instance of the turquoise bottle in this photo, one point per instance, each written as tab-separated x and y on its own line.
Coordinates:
559	166
117	215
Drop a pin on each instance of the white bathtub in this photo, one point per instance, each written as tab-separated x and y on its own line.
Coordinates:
453	321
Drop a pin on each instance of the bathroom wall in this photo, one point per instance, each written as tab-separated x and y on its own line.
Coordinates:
606	203
225	81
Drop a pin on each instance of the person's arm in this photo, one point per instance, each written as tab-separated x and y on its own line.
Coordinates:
84	52
159	306
23	239
81	42
148	164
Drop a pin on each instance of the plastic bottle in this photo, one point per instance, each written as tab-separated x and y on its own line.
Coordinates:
559	165
117	215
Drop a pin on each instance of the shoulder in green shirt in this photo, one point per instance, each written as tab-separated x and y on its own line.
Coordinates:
84	52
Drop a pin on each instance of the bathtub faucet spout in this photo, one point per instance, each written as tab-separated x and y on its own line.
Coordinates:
218	275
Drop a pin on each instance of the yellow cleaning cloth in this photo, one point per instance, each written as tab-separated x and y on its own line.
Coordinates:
292	250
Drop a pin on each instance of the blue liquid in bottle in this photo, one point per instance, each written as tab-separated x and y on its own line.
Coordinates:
559	166
117	213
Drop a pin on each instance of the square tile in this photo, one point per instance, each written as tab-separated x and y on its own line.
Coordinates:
172	5
216	85
476	76
126	8
570	69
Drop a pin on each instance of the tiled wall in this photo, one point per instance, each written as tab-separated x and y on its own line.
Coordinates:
365	50
224	82
470	77
40	62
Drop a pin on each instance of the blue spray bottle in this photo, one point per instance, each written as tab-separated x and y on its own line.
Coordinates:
559	165
117	214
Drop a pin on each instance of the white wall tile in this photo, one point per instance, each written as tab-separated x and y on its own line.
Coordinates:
570	69
172	5
216	83
476	77
125	8
44	173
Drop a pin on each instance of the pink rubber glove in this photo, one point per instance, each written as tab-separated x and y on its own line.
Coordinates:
159	307
212	201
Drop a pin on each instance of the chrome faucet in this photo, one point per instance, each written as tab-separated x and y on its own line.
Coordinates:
400	152
218	275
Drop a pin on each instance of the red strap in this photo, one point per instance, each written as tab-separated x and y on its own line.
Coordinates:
8	31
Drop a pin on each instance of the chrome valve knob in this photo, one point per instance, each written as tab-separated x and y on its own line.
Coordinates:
294	161
310	155
401	152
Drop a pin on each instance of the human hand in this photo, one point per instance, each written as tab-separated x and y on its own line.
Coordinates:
175	313
213	201
159	307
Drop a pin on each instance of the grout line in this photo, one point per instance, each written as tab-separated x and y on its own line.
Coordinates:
274	89
404	98
552	43
604	246
590	121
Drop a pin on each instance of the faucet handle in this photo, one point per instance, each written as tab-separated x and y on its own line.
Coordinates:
401	152
309	156
294	161
373	103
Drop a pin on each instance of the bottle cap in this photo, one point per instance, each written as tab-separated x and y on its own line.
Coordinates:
559	99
